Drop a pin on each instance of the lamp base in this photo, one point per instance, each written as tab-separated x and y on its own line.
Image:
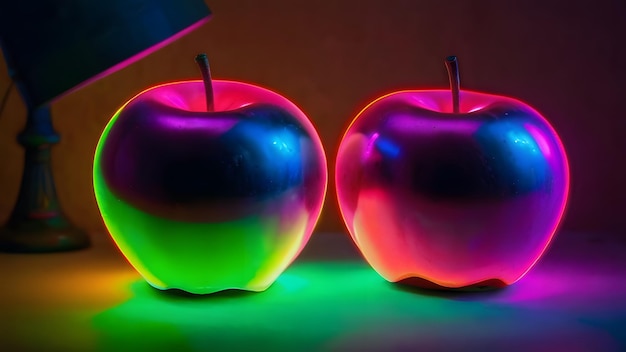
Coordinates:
37	224
52	234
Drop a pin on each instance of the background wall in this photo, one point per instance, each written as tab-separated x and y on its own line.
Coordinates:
332	57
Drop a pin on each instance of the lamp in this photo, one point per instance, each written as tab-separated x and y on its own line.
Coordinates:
53	47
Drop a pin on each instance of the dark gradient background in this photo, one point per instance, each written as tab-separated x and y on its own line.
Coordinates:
331	57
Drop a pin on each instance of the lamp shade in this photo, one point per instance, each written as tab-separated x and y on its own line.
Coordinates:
54	46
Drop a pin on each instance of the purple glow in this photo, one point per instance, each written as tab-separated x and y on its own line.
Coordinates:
217	126
409	124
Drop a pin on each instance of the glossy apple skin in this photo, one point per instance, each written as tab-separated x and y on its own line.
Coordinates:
207	201
451	201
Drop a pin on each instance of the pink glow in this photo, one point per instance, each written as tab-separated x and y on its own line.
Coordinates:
539	138
228	95
439	100
370	145
452	240
134	58
562	207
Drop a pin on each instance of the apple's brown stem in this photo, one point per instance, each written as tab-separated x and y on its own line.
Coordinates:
452	65
203	64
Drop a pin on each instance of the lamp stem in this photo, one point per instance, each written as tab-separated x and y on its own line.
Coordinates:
203	64
452	65
37	223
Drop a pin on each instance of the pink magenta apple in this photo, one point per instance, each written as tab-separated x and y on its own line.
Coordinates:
460	190
207	186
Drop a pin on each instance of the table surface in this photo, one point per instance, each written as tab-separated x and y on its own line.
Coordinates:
328	299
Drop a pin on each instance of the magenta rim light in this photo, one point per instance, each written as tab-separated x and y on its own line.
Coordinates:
428	108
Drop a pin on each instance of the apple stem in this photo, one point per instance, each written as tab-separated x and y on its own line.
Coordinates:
452	64
203	64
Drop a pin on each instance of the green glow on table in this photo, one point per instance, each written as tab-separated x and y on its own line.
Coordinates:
328	299
310	304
